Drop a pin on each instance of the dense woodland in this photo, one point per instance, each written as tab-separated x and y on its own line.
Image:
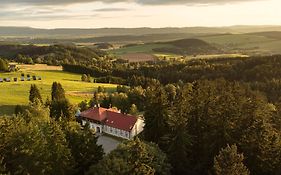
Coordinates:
51	55
216	116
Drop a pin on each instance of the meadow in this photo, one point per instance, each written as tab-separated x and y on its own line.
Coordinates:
14	93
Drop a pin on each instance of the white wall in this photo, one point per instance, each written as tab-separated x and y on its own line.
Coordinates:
94	126
116	132
138	128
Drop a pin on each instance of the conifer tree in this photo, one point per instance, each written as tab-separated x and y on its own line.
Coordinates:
58	92
4	66
230	162
156	115
60	107
83	145
34	94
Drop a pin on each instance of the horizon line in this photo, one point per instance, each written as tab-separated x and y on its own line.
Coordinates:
167	27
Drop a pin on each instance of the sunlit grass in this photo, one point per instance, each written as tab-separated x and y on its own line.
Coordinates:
13	93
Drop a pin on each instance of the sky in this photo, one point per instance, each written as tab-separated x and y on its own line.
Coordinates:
138	13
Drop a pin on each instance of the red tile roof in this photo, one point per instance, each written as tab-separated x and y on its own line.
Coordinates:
111	117
97	114
120	121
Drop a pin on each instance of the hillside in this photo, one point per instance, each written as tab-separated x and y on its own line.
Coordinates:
188	47
264	43
54	54
175	47
270	34
28	31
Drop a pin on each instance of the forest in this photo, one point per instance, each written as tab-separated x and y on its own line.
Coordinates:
202	116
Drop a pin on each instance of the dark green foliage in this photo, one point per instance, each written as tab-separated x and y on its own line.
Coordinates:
178	141
3	170
83	105
133	110
19	109
34	94
133	157
230	162
52	55
84	148
156	114
189	47
4	66
216	113
100	89
34	147
122	89
121	101
58	92
60	107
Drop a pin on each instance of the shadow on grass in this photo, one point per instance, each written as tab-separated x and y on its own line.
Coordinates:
7	109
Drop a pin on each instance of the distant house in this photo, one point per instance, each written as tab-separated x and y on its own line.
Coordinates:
15	79
112	122
1	80
7	79
28	78
21	78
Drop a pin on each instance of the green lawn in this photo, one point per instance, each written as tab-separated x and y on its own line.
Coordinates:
13	93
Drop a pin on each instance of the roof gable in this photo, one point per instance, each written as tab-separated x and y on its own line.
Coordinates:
98	114
120	121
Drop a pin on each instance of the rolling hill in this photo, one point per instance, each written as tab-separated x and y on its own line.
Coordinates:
175	47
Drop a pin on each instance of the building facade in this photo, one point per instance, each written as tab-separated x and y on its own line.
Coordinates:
112	122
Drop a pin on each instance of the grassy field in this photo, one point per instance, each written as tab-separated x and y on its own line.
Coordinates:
13	93
247	43
142	52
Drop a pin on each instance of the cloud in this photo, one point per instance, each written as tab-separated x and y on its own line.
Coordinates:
142	2
111	10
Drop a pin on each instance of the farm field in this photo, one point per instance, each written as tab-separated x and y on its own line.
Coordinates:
253	43
13	93
266	43
145	51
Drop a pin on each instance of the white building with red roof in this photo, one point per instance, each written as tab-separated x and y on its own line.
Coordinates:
112	122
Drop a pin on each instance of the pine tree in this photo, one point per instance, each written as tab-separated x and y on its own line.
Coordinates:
58	92
230	162
83	145
60	107
178	144
156	115
4	66
34	94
